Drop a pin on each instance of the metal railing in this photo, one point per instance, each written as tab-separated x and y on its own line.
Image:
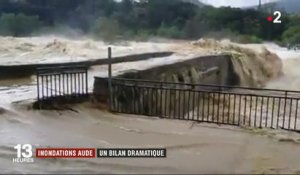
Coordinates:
53	82
241	106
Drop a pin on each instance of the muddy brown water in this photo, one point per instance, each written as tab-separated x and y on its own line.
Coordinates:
191	147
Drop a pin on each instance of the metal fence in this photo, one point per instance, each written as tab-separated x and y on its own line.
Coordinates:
53	82
251	107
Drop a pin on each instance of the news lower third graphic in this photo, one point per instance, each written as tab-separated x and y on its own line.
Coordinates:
65	152
25	152
134	153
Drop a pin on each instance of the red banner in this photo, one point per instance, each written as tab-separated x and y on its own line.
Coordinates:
65	152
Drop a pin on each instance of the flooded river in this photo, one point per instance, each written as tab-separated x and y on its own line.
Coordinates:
191	148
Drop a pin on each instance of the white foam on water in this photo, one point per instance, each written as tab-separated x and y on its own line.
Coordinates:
219	150
290	79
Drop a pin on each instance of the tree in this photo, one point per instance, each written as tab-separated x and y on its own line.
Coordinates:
169	31
18	25
126	6
195	29
107	29
292	36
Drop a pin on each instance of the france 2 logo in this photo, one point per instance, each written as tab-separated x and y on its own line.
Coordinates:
24	153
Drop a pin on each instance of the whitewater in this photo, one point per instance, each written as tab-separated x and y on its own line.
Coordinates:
192	147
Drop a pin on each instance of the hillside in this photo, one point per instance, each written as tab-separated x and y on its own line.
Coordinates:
195	2
290	6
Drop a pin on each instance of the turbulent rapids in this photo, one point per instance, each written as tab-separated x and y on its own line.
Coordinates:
225	149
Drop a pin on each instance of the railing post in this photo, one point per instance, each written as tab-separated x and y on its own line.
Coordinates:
110	79
284	110
86	81
161	100
38	86
38	89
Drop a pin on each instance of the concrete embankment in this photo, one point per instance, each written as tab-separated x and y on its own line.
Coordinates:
235	69
243	68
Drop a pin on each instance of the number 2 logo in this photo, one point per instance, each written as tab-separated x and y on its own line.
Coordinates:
24	150
277	15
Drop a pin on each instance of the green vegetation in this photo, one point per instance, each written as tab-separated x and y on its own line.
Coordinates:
169	31
292	35
111	20
18	25
106	29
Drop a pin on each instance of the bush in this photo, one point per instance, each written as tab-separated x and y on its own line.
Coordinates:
195	29
60	30
143	35
294	42
222	34
291	37
248	39
18	25
108	30
169	32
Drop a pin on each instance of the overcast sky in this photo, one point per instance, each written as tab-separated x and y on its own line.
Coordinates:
235	3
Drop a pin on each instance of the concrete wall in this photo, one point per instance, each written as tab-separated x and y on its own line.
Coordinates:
201	70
